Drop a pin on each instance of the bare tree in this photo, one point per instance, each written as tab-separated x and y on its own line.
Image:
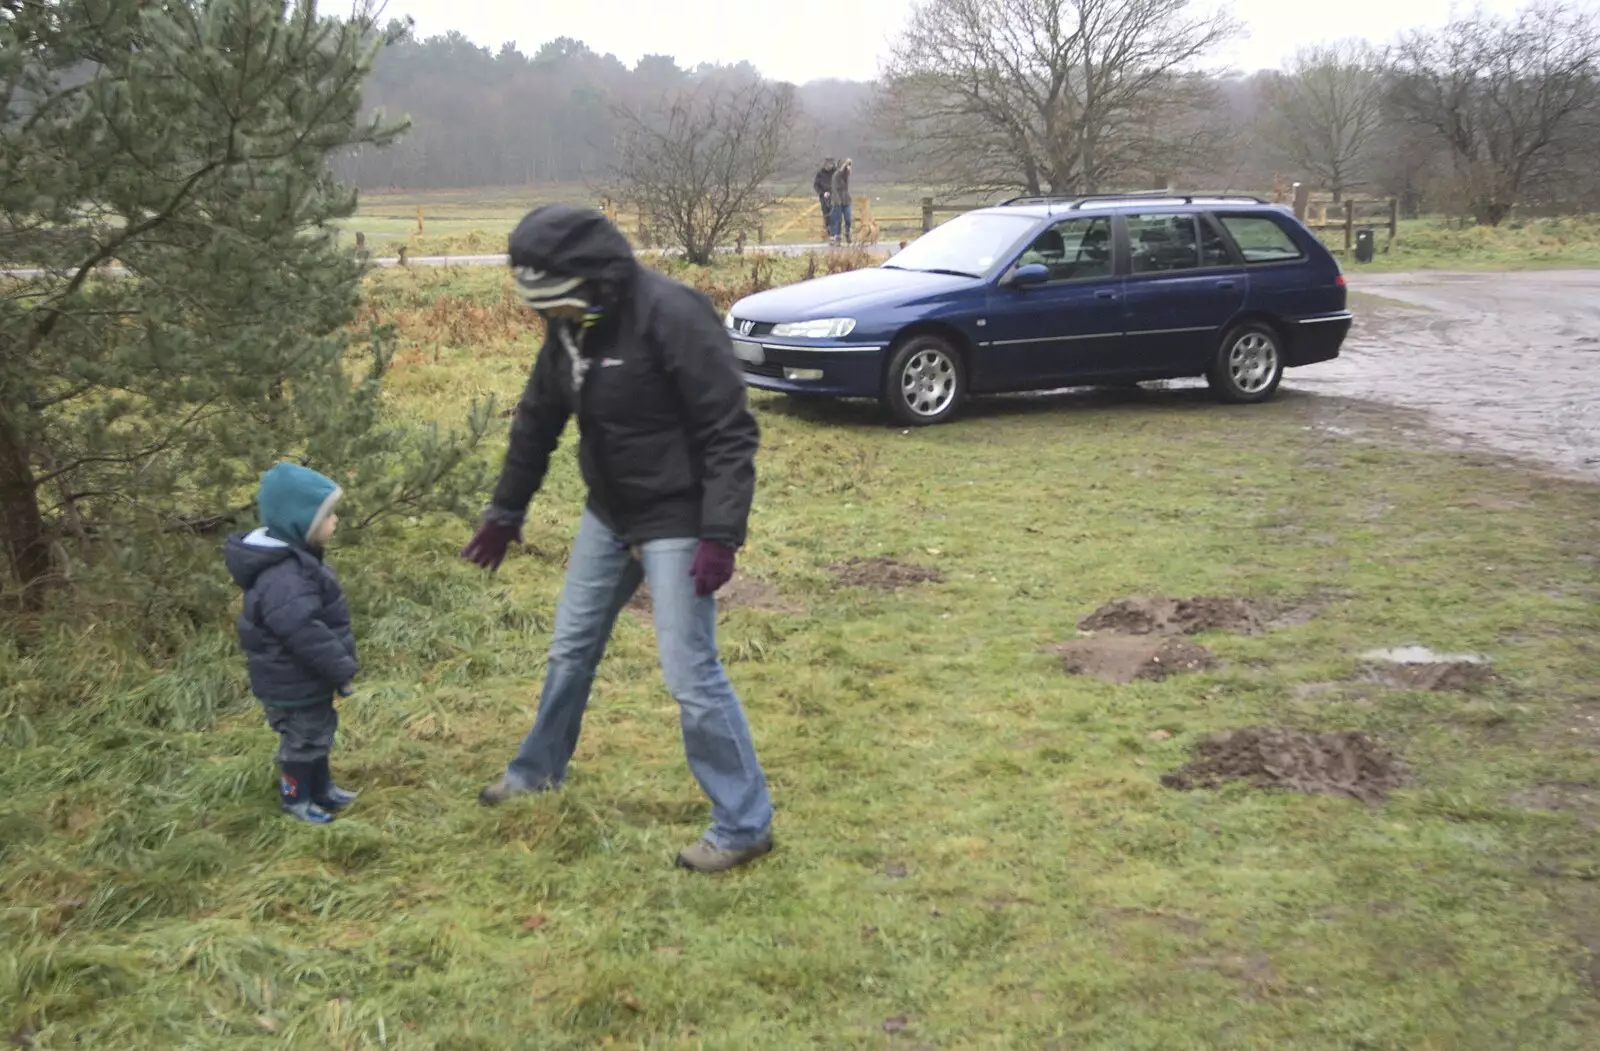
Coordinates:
1499	94
1049	95
699	165
1326	112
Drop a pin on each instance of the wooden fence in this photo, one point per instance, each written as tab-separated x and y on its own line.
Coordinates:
1348	214
785	214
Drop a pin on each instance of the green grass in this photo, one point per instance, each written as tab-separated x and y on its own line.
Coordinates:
1053	894
1521	244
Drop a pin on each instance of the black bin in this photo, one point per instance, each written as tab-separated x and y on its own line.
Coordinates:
1365	245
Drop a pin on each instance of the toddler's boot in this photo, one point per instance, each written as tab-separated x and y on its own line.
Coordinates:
326	794
295	784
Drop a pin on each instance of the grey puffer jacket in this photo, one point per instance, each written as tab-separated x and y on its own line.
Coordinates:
295	624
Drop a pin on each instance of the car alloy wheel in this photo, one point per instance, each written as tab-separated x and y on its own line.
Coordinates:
925	381
1249	365
928	382
1253	362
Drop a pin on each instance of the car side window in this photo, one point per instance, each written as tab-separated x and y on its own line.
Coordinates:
1073	250
1213	246
1163	243
1261	239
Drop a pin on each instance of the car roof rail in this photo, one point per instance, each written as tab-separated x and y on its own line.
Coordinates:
1043	198
1078	200
1185	198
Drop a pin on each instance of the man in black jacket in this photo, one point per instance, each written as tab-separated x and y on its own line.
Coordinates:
667	449
822	185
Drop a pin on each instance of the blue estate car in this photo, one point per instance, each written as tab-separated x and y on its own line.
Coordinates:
1042	293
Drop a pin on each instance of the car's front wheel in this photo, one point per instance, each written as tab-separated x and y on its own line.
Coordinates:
1249	364
925	382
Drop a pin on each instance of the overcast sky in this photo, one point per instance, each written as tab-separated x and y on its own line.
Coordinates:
801	40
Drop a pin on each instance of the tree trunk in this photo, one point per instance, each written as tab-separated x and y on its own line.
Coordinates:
1491	213
22	529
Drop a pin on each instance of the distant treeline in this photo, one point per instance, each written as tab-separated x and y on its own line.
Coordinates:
1432	122
482	118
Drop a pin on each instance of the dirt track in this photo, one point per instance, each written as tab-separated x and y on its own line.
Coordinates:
1509	362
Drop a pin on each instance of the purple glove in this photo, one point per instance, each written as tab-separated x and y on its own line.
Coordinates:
713	567
487	548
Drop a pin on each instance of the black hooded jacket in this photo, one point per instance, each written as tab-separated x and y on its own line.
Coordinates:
295	624
822	184
667	443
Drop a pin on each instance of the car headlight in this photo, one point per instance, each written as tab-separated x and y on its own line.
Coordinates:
826	328
727	321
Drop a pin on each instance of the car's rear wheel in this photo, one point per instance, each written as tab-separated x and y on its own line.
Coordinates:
926	381
1249	364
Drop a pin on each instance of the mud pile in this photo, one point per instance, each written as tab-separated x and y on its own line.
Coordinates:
1122	659
1159	615
1344	764
883	574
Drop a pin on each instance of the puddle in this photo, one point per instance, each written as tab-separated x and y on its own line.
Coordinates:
1419	668
1421	655
1503	361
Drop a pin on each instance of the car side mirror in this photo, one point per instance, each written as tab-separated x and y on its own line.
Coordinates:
1030	275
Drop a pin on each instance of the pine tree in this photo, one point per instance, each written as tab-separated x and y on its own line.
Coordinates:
175	312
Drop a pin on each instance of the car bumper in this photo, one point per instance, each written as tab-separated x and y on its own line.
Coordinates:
1318	338
842	371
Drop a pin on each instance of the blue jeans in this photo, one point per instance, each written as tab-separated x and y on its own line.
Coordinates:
839	221
602	575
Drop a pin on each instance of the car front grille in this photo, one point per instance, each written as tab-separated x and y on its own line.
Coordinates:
771	372
757	328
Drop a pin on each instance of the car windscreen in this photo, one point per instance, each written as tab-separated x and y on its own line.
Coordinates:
969	244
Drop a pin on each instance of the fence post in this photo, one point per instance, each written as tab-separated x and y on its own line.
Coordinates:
1302	201
927	214
1349	225
1394	218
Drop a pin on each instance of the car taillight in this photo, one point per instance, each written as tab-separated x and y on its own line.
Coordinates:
1339	280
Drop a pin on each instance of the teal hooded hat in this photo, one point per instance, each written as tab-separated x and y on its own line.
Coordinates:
294	500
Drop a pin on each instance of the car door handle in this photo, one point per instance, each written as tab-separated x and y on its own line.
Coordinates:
1105	293
1228	285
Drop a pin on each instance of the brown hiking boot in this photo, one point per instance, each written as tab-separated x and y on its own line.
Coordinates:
709	858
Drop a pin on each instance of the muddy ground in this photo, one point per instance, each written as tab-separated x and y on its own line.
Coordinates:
883	574
1346	764
1507	362
1122	659
1159	615
1139	638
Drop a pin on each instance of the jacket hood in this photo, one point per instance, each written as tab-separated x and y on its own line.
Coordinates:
249	555
576	242
293	500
